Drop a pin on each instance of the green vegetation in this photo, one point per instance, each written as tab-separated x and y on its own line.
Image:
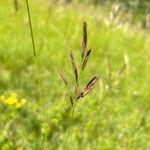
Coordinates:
115	115
135	12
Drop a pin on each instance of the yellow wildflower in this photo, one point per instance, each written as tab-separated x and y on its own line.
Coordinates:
18	105
12	100
23	101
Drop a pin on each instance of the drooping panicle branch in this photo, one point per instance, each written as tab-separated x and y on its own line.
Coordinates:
62	75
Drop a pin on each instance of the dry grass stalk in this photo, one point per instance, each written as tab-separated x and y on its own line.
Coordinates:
77	94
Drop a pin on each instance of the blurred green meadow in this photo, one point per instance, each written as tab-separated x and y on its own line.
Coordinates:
114	115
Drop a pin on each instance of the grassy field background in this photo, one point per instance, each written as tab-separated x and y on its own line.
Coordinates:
115	115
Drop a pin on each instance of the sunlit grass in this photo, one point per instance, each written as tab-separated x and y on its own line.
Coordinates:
119	120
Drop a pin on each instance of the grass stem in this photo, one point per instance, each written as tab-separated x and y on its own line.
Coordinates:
70	123
34	51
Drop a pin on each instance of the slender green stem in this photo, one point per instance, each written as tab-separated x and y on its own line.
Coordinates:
70	123
31	29
34	50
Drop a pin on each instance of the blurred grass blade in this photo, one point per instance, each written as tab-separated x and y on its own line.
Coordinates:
74	67
84	40
16	5
121	70
88	87
34	51
86	59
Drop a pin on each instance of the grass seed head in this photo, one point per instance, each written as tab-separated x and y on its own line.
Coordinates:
86	59
88	87
74	66
84	40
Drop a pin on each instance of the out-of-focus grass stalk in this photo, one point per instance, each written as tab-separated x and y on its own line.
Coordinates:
127	63
70	124
34	51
